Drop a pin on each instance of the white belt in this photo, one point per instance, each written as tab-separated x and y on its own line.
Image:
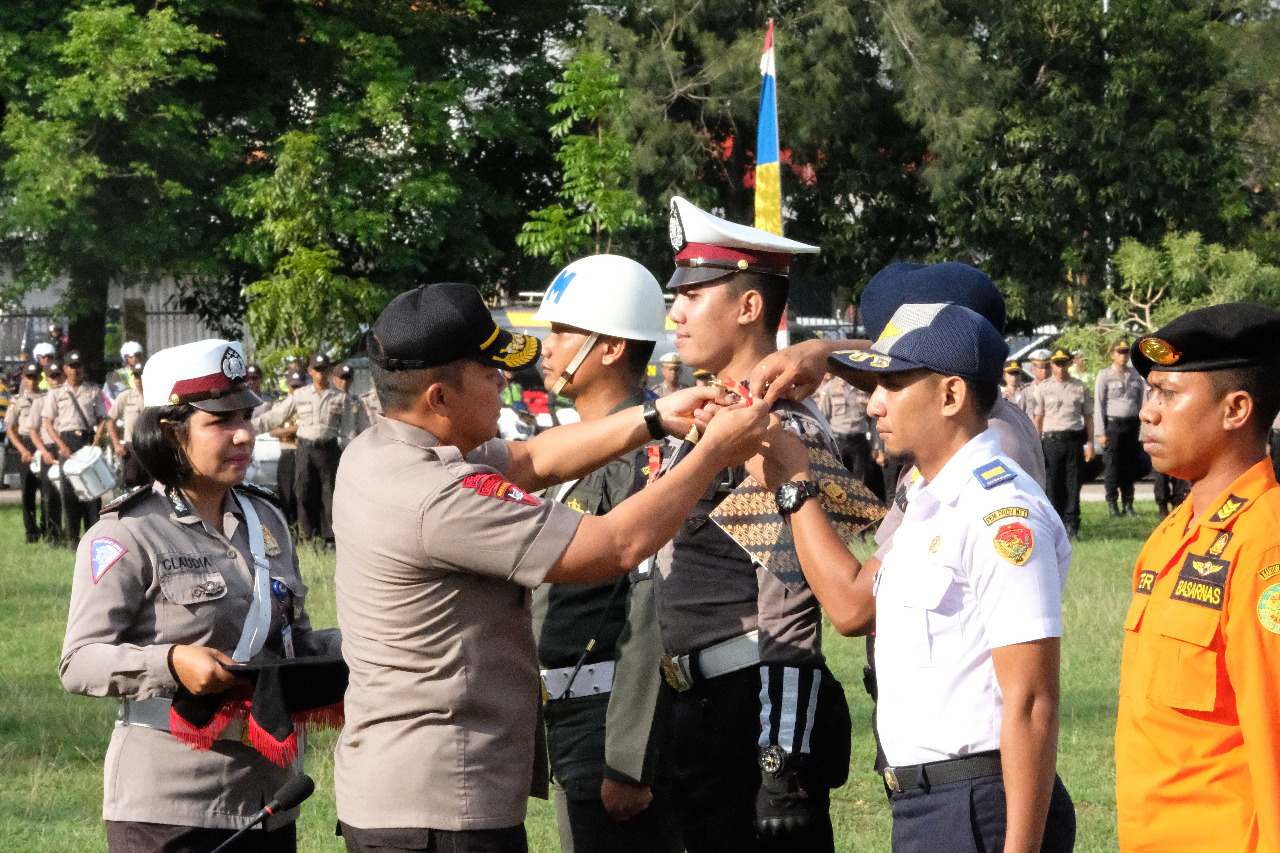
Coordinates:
722	658
592	680
153	713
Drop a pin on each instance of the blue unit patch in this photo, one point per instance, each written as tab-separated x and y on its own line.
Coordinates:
993	474
104	552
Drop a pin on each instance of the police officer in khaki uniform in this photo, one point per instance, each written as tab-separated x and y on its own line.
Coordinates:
1040	371
165	593
326	422
598	643
1062	409
761	725
1117	397
368	409
46	451
845	408
672	376
125	410
74	413
439	544
17	424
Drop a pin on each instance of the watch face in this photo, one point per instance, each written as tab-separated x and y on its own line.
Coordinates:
787	495
772	759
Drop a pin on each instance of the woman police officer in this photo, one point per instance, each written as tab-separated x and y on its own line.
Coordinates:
176	580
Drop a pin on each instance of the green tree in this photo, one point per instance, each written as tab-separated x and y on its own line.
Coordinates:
595	199
1057	130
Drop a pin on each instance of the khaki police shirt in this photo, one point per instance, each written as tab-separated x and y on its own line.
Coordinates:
1117	394
1064	405
38	408
322	415
18	415
661	390
844	406
367	409
436	559
147	577
126	409
60	409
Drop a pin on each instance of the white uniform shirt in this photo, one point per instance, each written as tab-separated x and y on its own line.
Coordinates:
959	581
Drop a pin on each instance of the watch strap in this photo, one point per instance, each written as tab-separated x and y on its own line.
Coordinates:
653	420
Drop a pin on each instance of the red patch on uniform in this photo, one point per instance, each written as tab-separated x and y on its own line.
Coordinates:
493	486
1014	542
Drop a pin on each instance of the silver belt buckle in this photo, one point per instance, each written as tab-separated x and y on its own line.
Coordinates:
891	780
675	674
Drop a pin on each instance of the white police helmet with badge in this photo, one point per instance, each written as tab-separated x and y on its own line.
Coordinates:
604	295
130	348
209	375
708	247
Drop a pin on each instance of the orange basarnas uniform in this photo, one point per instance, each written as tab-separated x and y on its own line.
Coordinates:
1198	737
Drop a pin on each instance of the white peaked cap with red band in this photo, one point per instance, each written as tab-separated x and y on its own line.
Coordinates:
209	375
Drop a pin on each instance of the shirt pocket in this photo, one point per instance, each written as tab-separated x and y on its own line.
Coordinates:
930	600
1186	665
194	589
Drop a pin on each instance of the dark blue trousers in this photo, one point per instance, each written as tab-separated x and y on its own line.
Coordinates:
969	817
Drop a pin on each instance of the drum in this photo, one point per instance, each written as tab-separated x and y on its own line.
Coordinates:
266	458
90	473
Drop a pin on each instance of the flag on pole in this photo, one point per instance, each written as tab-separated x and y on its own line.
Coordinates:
768	179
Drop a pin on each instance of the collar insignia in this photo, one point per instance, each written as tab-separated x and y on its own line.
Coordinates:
993	474
1230	507
1220	544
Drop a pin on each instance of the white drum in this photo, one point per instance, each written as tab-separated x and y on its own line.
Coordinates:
266	458
90	473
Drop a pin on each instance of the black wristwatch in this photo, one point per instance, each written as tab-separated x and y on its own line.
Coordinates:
654	421
773	759
791	495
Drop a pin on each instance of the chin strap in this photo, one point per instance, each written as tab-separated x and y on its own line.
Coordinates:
567	375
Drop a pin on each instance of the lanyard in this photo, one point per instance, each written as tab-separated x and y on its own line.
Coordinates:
258	623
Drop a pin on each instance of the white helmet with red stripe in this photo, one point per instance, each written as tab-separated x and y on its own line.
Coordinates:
209	375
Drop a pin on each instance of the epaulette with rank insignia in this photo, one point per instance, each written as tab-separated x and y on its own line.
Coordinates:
993	474
261	492
130	497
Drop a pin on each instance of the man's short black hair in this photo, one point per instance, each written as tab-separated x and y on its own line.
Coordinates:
773	289
156	443
1259	382
636	357
983	394
398	390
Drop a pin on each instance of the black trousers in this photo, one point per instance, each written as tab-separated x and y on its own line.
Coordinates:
585	826
1063	462
1121	456
855	453
77	515
1170	491
317	469
717	732
509	839
286	473
50	505
133	837
970	817
30	497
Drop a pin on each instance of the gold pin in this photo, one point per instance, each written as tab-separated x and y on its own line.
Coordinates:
742	265
933	546
1159	351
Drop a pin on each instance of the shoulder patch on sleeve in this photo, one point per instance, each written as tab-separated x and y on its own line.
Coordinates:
1014	542
129	497
259	492
104	552
494	486
993	474
1269	608
1007	512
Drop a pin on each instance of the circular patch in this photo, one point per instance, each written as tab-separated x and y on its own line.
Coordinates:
1269	608
1159	351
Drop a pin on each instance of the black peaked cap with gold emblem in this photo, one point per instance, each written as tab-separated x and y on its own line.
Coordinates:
437	324
1219	337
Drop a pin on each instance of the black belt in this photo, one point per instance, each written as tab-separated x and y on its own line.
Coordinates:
1065	435
925	776
317	441
1126	418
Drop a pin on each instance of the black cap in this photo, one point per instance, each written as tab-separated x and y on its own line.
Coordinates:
440	323
295	379
1220	337
344	371
32	371
73	359
252	371
320	361
54	369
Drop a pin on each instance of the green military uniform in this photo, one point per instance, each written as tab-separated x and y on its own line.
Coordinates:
609	720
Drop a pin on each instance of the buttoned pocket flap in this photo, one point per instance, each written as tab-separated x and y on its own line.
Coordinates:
190	579
1189	623
926	587
1186	674
1136	608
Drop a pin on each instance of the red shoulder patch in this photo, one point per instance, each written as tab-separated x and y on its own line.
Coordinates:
493	486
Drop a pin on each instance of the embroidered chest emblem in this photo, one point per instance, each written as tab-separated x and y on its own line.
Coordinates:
1220	544
1202	581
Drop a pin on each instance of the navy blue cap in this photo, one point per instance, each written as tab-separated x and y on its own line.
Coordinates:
1219	337
923	284
948	339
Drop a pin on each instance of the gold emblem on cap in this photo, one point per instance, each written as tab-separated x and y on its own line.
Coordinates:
1160	352
173	399
742	264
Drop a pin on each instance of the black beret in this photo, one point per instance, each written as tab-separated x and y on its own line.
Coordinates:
1220	337
441	323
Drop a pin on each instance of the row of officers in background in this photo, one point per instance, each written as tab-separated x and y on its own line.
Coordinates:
56	412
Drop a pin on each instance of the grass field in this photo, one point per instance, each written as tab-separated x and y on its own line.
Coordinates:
52	744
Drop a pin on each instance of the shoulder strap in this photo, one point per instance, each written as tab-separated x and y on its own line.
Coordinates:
79	411
128	498
258	623
260	492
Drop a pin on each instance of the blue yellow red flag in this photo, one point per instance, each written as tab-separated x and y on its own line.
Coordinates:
768	179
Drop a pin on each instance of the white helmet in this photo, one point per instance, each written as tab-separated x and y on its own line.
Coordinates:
41	349
130	348
607	294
